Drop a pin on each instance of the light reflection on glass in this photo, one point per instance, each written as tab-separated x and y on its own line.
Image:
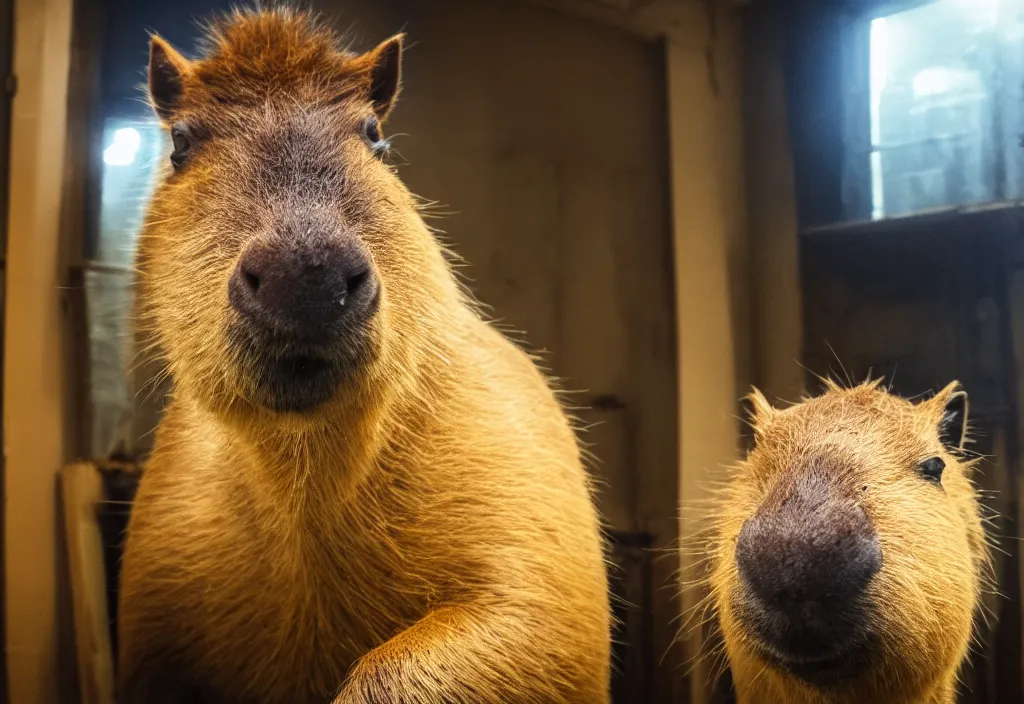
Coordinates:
133	150
122	151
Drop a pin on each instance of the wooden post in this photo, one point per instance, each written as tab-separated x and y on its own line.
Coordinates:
710	243
82	491
771	192
34	393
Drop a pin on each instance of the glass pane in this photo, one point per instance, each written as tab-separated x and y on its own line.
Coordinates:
108	301
132	151
945	82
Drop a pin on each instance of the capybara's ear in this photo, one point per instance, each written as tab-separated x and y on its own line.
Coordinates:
167	71
952	406
760	413
385	66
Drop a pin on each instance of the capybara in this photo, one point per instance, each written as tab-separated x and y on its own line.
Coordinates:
848	558
360	490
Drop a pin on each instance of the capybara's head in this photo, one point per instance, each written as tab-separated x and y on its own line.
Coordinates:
282	264
849	556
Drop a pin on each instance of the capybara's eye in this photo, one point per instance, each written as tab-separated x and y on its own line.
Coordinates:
931	469
372	130
374	139
182	140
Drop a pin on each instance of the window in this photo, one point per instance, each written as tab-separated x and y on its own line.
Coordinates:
946	96
127	148
132	150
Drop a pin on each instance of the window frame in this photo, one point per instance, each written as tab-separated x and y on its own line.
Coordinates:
831	133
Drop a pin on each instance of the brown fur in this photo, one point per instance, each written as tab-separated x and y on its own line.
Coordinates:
935	559
425	536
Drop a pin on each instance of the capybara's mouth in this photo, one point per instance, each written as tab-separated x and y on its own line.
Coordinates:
821	647
821	671
289	378
303	311
296	383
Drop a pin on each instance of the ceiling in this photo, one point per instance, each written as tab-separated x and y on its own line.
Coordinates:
649	18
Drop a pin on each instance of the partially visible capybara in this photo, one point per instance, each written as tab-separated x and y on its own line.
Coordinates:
848	558
360	491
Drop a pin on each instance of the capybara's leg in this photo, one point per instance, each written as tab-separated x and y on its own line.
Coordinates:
468	654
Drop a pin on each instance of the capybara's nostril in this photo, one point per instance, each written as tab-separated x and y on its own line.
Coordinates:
304	290
252	280
357	281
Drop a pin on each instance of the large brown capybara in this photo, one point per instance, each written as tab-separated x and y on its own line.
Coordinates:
848	558
360	491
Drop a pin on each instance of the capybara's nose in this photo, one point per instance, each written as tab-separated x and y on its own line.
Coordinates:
807	561
304	290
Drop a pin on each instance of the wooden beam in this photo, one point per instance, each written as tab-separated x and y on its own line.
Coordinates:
82	492
711	251
771	192
34	365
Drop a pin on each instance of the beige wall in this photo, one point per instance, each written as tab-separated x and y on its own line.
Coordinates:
34	402
710	227
544	137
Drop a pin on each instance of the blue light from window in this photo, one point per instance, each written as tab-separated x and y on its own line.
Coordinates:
122	151
945	79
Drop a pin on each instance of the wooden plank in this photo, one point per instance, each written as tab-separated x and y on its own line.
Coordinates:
82	490
771	195
36	437
710	253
